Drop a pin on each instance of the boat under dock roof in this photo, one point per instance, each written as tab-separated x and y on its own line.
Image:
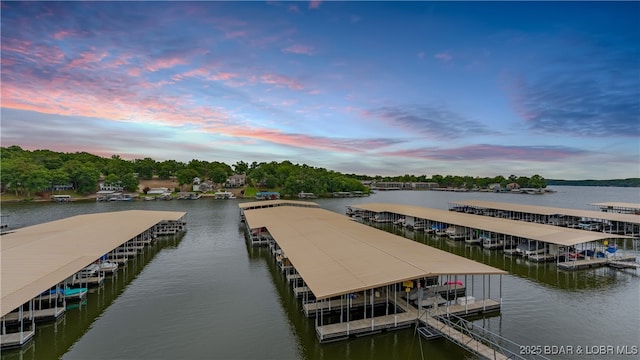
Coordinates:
526	230
38	257
546	210
336	256
616	205
272	203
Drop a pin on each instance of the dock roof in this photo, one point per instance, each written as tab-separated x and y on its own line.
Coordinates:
546	210
38	257
546	233
619	205
335	255
272	203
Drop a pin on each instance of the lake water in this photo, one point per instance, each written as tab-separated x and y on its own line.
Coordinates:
207	295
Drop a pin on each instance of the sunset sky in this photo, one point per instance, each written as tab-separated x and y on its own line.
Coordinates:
480	88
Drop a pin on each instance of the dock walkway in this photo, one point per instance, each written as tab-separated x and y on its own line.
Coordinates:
14	340
594	262
38	315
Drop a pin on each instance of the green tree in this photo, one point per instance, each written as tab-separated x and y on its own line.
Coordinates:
83	176
186	175
241	167
218	175
145	167
36	178
129	182
538	182
169	168
59	177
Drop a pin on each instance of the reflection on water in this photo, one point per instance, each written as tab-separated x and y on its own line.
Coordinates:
210	295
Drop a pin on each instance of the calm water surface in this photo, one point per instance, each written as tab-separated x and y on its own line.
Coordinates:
207	295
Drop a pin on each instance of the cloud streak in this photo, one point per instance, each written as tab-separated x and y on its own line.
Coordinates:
434	122
574	97
491	152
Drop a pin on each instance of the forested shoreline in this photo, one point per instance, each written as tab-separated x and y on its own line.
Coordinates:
630	182
27	173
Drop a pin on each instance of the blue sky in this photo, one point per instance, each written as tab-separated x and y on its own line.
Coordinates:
389	88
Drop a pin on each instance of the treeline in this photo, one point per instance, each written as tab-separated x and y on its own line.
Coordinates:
468	182
631	182
291	179
25	172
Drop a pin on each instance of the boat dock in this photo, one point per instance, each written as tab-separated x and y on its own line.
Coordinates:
615	262
601	221
328	251
618	207
559	243
69	253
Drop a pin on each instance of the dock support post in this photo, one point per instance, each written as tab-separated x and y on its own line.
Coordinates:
372	320
387	304
348	315
484	298
365	304
501	292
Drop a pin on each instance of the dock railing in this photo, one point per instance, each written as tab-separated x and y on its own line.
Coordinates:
501	346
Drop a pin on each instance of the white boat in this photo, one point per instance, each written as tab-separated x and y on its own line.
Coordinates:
88	271
490	242
531	248
473	240
431	301
223	195
455	232
108	267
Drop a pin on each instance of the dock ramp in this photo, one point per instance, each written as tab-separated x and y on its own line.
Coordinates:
476	339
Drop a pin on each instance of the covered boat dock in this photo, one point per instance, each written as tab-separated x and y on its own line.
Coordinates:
38	258
610	222
617	207
560	241
359	280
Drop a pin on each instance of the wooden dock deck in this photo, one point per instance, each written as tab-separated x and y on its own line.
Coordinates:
293	277
409	316
594	262
14	340
300	291
38	315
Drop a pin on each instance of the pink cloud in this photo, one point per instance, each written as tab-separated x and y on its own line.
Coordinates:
314	4
444	56
299	49
294	8
223	76
281	80
302	140
107	96
61	34
135	72
420	55
165	63
36	52
87	60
